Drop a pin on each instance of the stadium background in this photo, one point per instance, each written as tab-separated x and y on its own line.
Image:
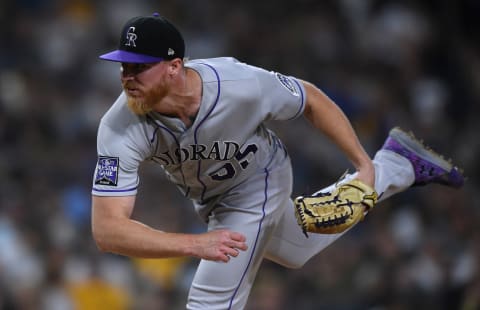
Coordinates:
409	63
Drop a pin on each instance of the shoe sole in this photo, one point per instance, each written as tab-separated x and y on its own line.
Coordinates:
408	141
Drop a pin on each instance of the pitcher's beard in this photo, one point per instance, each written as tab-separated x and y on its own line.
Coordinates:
138	106
146	102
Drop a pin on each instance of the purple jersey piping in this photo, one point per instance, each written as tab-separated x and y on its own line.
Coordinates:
256	239
176	142
115	190
195	135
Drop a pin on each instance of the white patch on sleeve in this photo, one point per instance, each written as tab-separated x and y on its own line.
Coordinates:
287	83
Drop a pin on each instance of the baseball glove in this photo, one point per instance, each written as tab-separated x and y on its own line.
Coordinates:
336	211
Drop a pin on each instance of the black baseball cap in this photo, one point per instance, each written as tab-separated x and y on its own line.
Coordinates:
148	39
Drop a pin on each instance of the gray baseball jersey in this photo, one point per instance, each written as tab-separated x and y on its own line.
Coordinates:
226	144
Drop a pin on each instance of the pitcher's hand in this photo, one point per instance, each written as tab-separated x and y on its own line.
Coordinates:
219	245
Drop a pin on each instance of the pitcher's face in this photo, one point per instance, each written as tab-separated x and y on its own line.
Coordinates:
144	85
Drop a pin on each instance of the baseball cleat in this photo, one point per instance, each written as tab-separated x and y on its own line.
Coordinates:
429	166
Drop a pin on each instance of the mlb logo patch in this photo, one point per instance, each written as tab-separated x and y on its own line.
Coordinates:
107	171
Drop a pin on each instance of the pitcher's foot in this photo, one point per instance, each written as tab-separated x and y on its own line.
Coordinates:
429	166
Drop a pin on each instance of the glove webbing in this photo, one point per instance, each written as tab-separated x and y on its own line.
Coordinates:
328	222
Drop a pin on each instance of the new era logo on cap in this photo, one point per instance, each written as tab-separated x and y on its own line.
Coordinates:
148	39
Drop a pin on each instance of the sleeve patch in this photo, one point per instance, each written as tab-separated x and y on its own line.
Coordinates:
107	171
287	83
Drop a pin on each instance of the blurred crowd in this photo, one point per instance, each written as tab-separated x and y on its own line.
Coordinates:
415	64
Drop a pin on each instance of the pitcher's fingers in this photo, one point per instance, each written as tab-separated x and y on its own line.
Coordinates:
224	258
237	245
237	236
242	246
232	252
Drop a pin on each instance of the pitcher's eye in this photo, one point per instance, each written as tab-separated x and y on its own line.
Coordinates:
133	68
141	67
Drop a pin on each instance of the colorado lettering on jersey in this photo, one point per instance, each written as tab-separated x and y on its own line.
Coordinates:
107	171
230	151
216	151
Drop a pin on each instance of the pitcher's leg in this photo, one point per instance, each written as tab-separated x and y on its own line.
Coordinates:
253	209
402	162
393	174
219	285
289	246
